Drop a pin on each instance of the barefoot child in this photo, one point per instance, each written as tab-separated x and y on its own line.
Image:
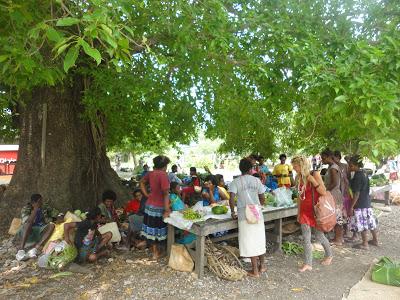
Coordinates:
135	217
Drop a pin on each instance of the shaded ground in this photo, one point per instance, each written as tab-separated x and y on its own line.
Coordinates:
133	276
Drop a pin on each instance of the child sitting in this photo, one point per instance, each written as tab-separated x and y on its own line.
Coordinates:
174	197
89	242
135	217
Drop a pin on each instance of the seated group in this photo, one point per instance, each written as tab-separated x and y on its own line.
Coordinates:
40	231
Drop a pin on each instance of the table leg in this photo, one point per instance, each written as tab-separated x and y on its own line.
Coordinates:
387	198
199	261
170	238
278	232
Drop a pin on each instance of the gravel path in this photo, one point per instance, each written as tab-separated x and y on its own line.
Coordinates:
133	276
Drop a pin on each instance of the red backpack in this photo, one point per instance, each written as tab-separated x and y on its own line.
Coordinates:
325	212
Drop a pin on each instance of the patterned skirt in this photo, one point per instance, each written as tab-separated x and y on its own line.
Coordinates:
154	228
363	219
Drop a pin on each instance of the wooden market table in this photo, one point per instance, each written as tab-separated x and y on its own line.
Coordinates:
205	228
381	189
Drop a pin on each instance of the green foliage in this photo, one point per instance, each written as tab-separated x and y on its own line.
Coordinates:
263	76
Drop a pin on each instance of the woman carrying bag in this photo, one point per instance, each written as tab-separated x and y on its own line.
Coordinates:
250	195
308	184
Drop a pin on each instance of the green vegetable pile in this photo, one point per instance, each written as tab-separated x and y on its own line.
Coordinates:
295	193
219	210
318	254
190	214
292	248
378	180
57	261
270	200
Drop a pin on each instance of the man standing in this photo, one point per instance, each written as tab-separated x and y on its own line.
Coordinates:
172	175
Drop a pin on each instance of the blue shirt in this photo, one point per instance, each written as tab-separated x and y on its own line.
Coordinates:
176	202
217	198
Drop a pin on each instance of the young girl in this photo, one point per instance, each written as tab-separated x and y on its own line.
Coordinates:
174	197
307	184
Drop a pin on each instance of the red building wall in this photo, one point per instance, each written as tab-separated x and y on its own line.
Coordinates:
7	161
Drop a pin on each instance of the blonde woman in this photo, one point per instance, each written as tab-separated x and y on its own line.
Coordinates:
308	183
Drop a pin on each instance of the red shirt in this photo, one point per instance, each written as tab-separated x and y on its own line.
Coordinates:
306	210
132	207
159	182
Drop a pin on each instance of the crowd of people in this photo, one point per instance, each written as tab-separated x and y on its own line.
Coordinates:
161	192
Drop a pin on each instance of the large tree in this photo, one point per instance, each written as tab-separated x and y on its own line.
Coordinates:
80	76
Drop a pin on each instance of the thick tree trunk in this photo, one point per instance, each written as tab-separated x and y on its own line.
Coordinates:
61	155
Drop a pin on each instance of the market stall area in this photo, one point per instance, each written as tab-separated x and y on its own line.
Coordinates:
133	275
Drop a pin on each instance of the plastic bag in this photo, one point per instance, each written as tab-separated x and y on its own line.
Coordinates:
283	197
386	271
180	259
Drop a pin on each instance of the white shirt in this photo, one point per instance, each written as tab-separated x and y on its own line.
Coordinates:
247	188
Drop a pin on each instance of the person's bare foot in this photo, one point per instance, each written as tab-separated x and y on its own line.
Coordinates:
262	269
373	243
305	268
327	261
141	245
252	274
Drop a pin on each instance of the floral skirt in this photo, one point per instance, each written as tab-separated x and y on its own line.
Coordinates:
363	219
341	215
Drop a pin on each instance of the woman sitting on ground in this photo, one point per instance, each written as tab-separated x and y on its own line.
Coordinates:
307	184
249	190
362	216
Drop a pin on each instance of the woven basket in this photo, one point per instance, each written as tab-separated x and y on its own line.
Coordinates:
222	261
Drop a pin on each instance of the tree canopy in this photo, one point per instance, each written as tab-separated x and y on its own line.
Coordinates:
263	76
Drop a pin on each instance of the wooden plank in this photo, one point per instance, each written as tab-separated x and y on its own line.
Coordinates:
387	198
199	257
170	238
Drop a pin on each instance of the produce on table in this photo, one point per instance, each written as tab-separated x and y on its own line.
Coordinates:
60	260
378	180
295	193
219	210
190	214
270	200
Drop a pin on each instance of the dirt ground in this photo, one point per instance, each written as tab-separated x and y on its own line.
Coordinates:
133	276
